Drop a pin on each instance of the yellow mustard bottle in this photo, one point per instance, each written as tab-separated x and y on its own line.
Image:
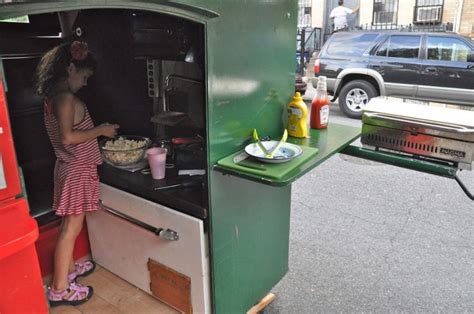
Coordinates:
297	113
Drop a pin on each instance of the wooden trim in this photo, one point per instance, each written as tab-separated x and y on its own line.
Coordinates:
262	304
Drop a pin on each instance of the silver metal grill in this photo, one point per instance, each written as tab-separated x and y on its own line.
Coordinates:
430	131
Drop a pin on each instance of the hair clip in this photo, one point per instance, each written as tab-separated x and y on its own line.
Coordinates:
79	50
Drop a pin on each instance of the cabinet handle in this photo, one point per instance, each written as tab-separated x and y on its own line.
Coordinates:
166	234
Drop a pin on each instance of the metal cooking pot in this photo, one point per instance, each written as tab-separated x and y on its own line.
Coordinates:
190	156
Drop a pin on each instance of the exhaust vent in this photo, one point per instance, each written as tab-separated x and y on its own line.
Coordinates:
399	144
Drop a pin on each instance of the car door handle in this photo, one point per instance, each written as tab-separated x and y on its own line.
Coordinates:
431	70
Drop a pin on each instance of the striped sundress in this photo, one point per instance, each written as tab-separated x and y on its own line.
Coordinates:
76	183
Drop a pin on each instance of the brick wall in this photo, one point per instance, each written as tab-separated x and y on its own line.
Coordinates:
365	12
449	11
405	11
467	19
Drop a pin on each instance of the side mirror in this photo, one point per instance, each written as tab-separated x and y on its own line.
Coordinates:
470	57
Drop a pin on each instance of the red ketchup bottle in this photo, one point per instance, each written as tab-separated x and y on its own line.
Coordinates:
320	106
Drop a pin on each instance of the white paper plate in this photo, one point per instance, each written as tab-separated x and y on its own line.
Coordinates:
285	153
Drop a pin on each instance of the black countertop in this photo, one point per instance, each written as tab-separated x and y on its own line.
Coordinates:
191	200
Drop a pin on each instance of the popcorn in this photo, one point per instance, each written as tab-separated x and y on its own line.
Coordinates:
124	152
123	144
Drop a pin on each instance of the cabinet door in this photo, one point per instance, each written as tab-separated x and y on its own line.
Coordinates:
9	178
124	248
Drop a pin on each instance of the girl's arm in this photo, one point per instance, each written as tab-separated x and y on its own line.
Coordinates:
64	111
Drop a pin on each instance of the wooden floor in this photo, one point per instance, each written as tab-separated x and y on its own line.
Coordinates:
114	295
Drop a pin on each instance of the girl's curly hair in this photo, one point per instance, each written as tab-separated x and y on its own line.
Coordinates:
52	68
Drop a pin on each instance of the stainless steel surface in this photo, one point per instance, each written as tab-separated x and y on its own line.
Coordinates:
3	181
167	117
442	132
171	77
153	75
169	234
419	144
170	118
166	234
416	110
426	127
168	79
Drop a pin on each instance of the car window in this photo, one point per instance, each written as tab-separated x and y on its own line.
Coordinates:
446	49
350	44
404	46
382	50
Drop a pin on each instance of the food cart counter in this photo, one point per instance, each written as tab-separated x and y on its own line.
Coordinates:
317	147
232	233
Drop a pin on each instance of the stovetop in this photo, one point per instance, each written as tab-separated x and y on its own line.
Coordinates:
191	200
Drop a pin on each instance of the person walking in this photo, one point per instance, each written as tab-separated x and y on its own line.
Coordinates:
339	16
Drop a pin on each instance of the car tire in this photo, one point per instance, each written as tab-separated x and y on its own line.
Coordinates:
354	96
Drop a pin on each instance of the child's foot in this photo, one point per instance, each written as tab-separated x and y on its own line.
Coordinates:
75	294
82	269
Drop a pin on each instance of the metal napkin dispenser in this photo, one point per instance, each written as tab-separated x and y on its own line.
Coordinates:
432	131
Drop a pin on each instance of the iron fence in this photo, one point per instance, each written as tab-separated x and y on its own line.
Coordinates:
308	40
418	27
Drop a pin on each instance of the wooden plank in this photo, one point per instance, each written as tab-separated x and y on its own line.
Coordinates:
170	287
262	304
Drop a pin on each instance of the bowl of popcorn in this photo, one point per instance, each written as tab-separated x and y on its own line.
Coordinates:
125	150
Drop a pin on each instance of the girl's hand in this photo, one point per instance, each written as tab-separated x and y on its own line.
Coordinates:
109	130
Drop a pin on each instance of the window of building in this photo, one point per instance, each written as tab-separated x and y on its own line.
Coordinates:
304	13
428	11
446	49
429	2
385	12
400	47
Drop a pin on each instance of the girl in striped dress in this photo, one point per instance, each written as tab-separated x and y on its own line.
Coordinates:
62	72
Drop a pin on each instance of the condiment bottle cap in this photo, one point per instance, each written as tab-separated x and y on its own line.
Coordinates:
297	96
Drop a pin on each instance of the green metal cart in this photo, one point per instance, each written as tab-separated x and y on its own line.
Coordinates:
249	80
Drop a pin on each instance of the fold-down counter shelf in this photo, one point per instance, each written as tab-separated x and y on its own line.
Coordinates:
319	146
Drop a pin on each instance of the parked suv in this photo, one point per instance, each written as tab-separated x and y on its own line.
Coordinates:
424	66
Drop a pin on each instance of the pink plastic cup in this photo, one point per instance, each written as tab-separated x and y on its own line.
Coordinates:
157	161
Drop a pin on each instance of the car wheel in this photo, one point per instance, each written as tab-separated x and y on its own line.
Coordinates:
354	96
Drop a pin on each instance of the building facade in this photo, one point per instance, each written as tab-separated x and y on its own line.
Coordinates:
455	15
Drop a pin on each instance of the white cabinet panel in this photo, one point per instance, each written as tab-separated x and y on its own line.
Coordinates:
125	248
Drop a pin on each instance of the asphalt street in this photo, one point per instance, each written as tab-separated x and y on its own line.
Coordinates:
368	237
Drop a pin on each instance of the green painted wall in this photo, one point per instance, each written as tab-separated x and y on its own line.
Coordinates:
251	64
250	234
